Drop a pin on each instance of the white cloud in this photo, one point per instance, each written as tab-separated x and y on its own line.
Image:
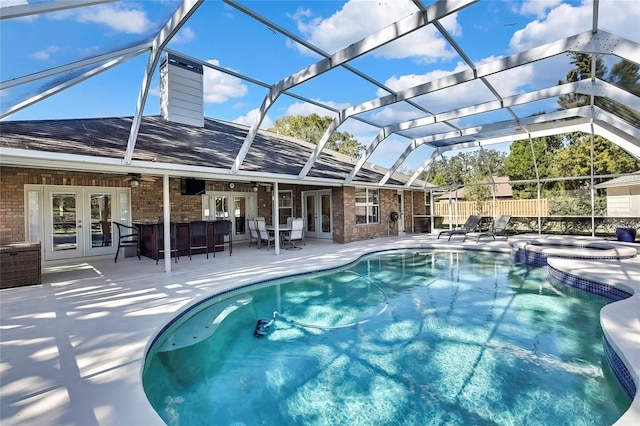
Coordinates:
363	132
537	8
185	35
45	54
450	98
562	21
250	117
119	17
303	108
411	80
395	113
347	26
389	151
220	87
618	17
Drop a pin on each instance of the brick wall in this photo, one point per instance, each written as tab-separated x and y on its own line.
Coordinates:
12	181
147	202
340	223
146	199
349	230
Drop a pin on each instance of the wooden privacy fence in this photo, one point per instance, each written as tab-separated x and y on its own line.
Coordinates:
459	211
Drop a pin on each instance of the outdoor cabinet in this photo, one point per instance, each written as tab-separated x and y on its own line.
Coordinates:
20	264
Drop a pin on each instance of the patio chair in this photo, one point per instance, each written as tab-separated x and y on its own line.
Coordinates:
160	241
198	237
295	235
304	227
254	237
498	227
222	235
128	236
264	234
471	224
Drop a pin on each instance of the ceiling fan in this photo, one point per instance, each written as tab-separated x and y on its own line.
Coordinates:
134	179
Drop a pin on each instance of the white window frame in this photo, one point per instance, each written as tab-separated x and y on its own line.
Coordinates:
372	208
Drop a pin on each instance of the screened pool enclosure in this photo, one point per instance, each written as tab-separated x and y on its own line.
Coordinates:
536	117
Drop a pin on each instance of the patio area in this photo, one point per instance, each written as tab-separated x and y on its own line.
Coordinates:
73	347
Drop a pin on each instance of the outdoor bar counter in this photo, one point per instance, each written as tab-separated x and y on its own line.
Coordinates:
150	240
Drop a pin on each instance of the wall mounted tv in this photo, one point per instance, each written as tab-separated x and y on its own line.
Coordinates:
192	186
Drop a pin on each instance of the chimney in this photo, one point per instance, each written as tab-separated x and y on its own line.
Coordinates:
181	91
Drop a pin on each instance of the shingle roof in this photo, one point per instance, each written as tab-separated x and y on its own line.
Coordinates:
214	146
628	180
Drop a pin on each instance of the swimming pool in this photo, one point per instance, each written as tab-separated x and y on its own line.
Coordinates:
440	337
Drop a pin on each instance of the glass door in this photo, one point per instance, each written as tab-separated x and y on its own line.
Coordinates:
77	222
318	214
63	223
325	210
234	206
220	207
240	216
99	214
310	214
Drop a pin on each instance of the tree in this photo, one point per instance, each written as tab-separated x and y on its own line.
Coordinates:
625	75
466	167
570	154
310	128
581	71
609	158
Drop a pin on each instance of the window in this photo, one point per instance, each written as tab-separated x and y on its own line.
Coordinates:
33	215
367	206
285	205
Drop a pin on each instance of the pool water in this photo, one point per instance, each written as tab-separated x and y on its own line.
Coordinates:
439	338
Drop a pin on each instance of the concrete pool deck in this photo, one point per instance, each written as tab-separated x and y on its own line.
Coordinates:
72	348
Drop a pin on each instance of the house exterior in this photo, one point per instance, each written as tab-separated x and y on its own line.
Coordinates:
64	182
623	196
60	179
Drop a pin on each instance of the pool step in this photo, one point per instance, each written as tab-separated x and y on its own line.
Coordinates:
203	325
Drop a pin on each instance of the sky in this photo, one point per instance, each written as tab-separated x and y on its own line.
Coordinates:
222	35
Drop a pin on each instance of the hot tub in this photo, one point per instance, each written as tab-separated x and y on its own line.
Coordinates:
535	252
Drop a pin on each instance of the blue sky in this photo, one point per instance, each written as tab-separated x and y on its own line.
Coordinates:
222	35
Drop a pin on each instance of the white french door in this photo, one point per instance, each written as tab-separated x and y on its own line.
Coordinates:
234	206
77	221
318	214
